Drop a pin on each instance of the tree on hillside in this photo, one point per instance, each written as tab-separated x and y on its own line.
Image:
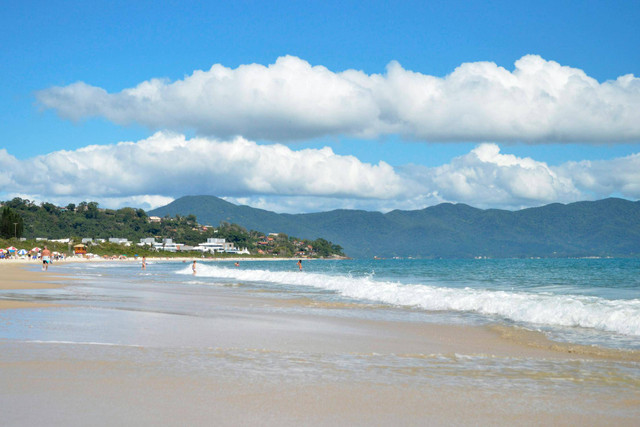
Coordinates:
325	248
92	210
11	223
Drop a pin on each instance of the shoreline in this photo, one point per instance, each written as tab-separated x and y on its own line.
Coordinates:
24	261
240	358
16	276
496	339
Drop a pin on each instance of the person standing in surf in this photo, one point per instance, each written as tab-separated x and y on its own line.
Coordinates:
300	264
193	267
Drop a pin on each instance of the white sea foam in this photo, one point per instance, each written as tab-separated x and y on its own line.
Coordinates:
619	316
105	344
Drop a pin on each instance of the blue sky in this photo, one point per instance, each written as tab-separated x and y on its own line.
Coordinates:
406	159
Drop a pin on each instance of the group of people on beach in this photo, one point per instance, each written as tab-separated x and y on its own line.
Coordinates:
45	255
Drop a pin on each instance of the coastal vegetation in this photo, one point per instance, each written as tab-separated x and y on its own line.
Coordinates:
11	223
88	220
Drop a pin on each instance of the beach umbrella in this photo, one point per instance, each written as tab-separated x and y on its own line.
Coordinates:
12	249
2	251
22	252
36	249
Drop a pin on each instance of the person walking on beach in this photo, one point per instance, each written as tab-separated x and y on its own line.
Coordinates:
300	264
46	258
193	267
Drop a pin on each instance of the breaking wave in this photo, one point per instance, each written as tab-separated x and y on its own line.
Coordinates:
618	316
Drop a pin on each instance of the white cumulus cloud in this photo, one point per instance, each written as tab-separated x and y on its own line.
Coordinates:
538	101
169	165
154	171
603	178
487	178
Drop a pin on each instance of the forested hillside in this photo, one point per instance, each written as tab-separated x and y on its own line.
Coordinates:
609	227
87	220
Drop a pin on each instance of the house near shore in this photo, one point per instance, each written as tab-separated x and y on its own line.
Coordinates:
167	245
67	240
214	245
147	241
46	239
119	241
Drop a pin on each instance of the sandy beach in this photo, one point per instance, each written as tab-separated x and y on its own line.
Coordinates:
250	360
15	275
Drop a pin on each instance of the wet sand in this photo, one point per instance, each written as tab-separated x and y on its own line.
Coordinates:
106	393
259	366
16	275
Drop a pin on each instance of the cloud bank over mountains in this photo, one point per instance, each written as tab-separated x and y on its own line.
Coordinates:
154	171
539	101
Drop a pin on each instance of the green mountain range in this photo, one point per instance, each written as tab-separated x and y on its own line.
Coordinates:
609	227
